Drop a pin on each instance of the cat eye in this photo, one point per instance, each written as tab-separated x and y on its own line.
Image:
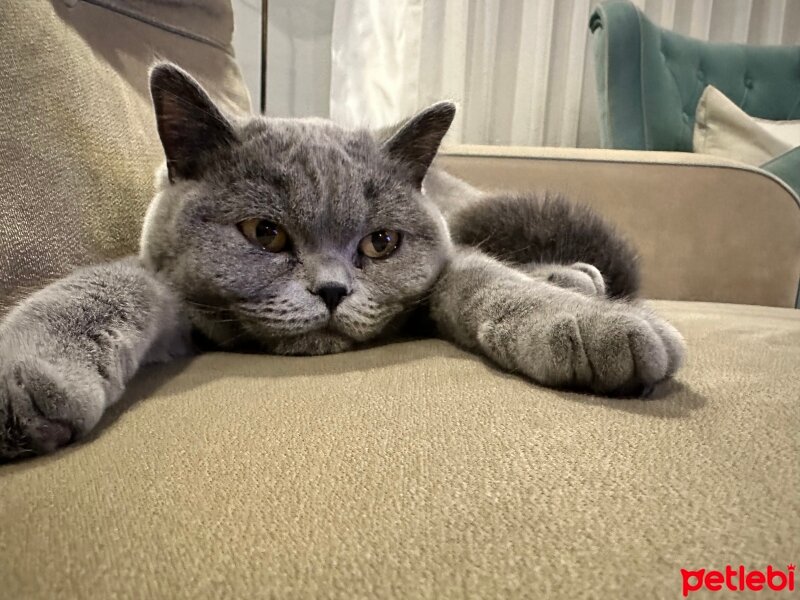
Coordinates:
380	244
265	234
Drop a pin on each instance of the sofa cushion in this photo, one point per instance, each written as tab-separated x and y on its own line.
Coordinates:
78	143
416	470
723	129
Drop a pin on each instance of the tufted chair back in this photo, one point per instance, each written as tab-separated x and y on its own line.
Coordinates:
649	79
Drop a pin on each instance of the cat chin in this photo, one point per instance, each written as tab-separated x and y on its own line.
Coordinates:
312	343
252	338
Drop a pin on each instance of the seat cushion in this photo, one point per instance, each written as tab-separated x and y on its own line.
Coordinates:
418	470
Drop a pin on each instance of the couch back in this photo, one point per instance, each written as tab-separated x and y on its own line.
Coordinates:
78	141
649	79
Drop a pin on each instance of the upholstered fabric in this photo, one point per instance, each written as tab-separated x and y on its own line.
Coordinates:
416	470
786	167
706	228
723	129
411	470
78	143
649	79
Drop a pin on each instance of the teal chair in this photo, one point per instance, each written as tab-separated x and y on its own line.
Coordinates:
649	81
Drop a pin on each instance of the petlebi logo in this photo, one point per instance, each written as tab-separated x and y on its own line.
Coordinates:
738	579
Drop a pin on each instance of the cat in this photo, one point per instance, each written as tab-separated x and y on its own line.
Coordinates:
295	236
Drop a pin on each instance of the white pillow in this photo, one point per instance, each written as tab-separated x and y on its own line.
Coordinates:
723	129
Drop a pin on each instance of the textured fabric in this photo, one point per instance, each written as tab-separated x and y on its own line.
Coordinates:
416	470
650	79
787	168
723	129
706	228
78	143
617	77
580	155
409	470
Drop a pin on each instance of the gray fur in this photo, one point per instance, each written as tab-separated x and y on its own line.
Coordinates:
521	229
556	336
67	352
449	194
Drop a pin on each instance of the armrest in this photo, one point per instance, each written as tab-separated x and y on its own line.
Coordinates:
706	228
616	40
786	167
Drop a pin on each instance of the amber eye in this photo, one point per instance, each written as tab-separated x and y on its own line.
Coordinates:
380	244
263	233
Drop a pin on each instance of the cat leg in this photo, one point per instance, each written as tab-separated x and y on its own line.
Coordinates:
555	336
581	277
67	352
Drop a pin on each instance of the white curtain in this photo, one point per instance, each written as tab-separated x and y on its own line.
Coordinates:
519	70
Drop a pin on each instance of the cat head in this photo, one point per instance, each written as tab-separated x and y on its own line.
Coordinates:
294	235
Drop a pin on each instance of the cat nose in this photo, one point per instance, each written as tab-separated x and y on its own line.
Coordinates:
331	294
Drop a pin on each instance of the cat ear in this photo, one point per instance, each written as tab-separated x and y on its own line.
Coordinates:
417	140
190	125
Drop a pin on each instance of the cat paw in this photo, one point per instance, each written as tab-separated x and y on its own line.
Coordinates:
598	284
44	407
619	351
581	277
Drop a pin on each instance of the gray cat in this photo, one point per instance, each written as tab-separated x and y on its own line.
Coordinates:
299	237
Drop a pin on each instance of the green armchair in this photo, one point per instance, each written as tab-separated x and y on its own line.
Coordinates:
649	81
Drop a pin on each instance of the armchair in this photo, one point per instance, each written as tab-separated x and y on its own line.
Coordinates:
649	81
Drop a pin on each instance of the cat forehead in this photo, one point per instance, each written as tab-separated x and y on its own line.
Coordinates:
312	174
308	156
289	139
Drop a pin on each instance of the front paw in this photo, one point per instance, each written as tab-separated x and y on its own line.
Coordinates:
598	284
581	277
615	350
44	406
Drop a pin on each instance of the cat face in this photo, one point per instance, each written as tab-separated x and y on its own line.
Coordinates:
297	236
